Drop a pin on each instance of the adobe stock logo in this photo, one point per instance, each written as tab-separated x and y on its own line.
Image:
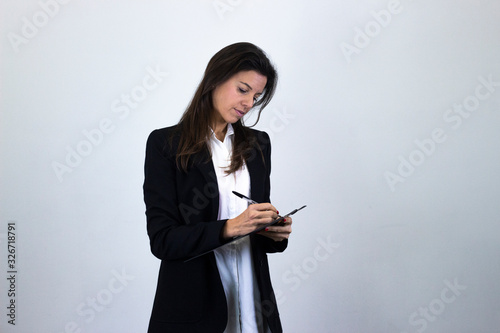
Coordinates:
90	308
121	107
224	6
298	273
454	116
363	37
279	121
31	27
429	314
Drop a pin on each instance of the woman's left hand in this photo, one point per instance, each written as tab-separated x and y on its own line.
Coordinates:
279	232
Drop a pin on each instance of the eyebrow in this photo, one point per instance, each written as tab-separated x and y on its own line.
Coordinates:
246	84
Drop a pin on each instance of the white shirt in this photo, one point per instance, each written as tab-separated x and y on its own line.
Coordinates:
234	260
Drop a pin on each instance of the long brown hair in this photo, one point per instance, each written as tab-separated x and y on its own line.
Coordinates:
195	123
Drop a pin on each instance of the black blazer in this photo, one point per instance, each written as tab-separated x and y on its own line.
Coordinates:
181	211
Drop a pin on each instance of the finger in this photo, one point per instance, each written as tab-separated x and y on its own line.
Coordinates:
262	216
267	215
280	229
264	207
284	221
261	222
275	236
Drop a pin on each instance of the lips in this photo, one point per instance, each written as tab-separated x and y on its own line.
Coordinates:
239	113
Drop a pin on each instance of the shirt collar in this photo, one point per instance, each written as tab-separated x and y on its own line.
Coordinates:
229	132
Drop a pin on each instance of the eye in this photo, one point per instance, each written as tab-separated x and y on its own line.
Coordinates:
243	91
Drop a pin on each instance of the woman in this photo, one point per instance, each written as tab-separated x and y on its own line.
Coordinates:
190	171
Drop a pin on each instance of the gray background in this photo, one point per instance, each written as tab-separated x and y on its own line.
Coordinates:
401	233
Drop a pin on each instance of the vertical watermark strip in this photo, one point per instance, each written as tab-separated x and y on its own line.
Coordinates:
11	272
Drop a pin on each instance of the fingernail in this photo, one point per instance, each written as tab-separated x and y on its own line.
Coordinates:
267	229
277	212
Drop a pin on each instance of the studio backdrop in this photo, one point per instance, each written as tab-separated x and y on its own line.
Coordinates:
385	124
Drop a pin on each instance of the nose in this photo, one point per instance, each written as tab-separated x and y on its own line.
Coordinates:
248	102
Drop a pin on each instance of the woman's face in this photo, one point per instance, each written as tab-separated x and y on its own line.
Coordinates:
235	97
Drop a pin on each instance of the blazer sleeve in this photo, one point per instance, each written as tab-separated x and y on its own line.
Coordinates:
171	238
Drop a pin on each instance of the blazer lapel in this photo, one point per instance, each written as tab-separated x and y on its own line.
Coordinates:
210	188
257	171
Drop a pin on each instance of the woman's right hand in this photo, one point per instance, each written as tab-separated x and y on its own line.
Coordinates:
253	217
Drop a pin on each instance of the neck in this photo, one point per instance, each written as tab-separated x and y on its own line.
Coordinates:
220	131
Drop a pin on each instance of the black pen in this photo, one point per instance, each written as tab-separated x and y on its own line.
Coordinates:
245	197
250	201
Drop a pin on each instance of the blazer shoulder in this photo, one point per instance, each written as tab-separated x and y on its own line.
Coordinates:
164	138
262	137
165	132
